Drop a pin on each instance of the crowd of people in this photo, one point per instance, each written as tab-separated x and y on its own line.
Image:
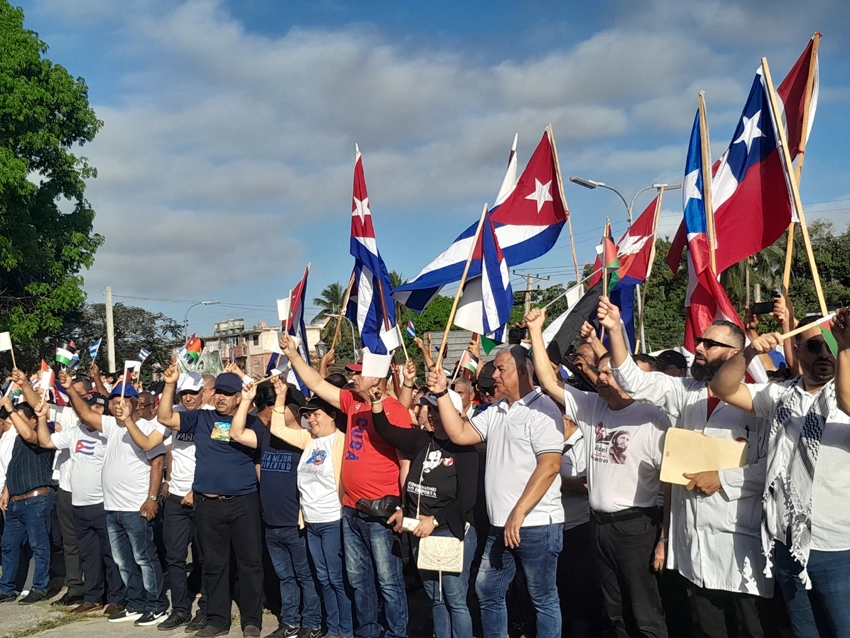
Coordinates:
546	488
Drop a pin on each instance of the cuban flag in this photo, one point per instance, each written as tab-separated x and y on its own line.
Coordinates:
144	353
749	191
295	325
411	329
487	301
528	217
370	305
635	252
94	348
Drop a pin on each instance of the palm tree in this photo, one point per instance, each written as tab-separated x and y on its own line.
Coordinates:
396	280
330	300
765	269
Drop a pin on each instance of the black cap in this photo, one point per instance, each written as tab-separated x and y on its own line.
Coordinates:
95	398
317	404
485	375
672	358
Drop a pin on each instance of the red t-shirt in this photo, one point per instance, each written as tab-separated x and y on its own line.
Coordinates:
370	464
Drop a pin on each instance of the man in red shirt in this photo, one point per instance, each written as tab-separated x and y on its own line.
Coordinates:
371	470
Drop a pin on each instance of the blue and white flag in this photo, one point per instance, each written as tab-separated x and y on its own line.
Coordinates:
296	327
144	354
372	311
93	349
487	301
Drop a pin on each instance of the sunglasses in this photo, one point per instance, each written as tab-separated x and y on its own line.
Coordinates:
814	346
708	344
142	406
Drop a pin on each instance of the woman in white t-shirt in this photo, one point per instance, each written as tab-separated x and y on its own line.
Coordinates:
321	497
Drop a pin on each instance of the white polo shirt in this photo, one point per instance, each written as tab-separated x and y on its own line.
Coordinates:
515	436
126	469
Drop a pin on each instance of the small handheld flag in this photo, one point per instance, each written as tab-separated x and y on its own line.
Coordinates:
469	361
94	348
192	350
144	354
411	329
5	342
64	354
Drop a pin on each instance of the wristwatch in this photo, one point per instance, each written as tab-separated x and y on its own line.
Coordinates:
153	498
436	524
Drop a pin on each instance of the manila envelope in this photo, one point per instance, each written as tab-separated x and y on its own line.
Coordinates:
689	451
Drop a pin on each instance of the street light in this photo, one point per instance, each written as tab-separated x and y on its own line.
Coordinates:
353	342
591	184
186	316
321	349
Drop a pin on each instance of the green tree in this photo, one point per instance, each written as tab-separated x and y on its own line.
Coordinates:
664	310
46	236
329	300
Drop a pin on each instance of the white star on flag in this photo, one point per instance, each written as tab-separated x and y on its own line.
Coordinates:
361	208
690	187
541	194
751	130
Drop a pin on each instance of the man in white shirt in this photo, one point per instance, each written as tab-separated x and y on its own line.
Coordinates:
715	542
624	443
806	519
131	482
87	449
524	433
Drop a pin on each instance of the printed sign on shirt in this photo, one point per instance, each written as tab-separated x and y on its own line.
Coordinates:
221	432
610	447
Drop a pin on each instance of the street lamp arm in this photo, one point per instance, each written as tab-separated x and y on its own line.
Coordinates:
620	195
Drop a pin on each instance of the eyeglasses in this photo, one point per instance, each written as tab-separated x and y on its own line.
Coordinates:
814	346
708	344
142	406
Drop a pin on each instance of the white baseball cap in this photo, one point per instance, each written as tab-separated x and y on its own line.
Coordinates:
190	382
454	396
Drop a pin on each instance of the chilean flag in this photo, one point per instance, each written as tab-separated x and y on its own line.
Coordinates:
752	207
636	252
528	217
487	301
371	279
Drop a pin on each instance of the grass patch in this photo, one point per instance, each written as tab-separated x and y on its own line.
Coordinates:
49	623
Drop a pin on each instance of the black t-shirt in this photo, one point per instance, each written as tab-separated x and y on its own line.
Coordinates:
278	480
222	466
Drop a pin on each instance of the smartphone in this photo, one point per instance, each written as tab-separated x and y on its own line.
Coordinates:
409	524
762	308
516	335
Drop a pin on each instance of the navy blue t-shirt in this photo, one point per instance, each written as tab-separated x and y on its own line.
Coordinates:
278	480
222	466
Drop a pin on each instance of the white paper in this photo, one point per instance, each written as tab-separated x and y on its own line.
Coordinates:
45	379
133	365
376	365
392	338
283	309
5	342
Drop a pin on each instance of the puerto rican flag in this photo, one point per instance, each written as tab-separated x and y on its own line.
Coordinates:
752	207
366	308
528	217
487	301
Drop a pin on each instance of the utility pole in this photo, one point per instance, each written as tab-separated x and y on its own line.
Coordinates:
110	331
529	278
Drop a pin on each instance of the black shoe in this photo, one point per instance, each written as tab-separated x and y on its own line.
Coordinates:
198	622
6	598
210	632
35	596
287	631
150	618
67	600
176	619
306	632
251	631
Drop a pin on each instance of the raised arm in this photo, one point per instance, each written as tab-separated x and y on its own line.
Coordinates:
609	317
94	375
405	397
426	356
27	433
124	412
238	430
460	430
542	366
407	440
83	409
30	395
42	431
783	312
311	378
165	413
326	363
727	383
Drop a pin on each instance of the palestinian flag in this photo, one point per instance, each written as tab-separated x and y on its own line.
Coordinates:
469	362
65	353
192	350
607	251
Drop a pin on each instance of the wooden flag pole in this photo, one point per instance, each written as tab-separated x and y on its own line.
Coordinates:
792	183
342	309
808	326
801	156
706	183
12	350
460	287
560	179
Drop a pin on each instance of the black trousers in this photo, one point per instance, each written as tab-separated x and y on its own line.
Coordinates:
726	614
100	571
178	530
233	522
623	552
582	611
70	549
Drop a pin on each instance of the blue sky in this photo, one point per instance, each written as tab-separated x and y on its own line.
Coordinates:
225	161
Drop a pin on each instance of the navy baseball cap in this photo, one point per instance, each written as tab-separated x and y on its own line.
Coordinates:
96	398
129	393
228	383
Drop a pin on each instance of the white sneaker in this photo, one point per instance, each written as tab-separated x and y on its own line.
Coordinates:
124	616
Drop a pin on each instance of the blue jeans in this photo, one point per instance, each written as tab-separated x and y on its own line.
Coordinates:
288	551
448	591
325	543
373	548
822	610
537	555
27	521
131	539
